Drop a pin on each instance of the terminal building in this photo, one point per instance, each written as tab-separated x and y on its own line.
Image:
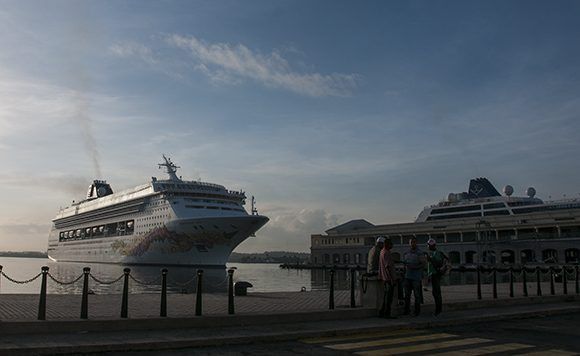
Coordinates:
476	227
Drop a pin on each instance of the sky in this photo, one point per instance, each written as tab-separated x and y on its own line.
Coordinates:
325	111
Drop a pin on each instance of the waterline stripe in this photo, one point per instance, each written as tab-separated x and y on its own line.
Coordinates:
385	342
423	347
486	350
338	339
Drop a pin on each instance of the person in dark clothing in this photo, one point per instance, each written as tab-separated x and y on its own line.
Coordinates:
436	268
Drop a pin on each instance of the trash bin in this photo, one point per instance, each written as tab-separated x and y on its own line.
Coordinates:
241	287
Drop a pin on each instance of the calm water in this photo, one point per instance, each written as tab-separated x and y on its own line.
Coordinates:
264	277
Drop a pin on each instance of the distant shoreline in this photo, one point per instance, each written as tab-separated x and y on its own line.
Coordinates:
25	254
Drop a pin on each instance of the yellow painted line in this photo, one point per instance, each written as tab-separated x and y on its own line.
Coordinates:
550	353
486	350
337	339
423	347
385	342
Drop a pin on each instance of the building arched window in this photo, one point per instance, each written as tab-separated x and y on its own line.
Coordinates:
527	256
508	257
572	255
550	256
346	258
471	257
454	257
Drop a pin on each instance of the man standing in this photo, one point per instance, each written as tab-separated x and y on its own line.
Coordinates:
373	258
387	275
435	270
414	261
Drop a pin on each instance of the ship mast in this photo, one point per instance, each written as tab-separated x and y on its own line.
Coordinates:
171	169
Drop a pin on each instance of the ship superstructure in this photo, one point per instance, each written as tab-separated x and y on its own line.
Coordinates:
163	222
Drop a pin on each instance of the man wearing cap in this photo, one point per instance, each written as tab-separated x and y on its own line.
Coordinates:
373	258
414	260
436	268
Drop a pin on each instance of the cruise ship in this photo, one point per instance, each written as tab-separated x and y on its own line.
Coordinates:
163	222
477	226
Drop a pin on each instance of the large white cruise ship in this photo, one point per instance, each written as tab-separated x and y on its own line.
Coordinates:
164	222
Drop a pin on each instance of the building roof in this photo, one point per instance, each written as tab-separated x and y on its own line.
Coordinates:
353	225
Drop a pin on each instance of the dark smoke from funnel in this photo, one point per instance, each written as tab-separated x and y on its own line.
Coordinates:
82	38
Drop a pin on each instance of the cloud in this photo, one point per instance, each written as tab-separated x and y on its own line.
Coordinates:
66	183
224	63
132	49
290	229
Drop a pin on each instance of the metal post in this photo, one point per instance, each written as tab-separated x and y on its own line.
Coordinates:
85	297
42	302
198	293
163	307
331	296
525	281
564	281
538	281
352	296
494	283
231	309
511	271
577	284
478	282
552	287
125	300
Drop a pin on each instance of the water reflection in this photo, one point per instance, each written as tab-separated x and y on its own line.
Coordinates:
145	279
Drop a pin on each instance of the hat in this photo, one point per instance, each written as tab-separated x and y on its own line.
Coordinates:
431	242
380	239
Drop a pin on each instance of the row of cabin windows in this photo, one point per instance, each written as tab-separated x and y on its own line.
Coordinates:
212	207
114	229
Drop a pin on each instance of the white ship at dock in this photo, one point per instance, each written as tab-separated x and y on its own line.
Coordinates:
164	222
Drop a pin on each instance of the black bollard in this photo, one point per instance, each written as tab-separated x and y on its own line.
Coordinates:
231	309
525	281
478	282
494	283
352	286
511	272
163	307
42	302
331	296
577	284
198	293
564	281
538	281
125	300
552	287
85	297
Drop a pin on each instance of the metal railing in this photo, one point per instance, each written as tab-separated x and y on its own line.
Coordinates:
562	274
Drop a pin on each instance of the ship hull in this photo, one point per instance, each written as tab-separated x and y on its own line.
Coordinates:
206	241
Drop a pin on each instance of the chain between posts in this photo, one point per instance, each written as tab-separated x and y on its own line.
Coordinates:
65	283
149	283
21	282
106	282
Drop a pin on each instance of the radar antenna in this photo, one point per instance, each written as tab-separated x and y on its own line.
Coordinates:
171	168
254	209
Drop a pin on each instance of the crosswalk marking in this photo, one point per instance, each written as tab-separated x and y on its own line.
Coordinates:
385	342
550	353
486	350
345	338
423	347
